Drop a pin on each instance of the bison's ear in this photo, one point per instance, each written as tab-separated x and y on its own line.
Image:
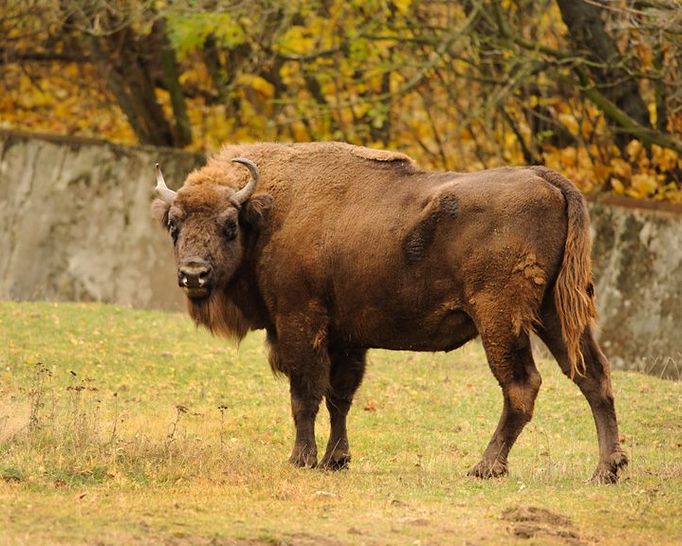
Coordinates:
160	211
255	211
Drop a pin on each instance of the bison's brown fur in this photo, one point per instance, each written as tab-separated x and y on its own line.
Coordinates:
343	249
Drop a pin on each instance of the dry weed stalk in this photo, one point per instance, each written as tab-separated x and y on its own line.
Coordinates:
37	394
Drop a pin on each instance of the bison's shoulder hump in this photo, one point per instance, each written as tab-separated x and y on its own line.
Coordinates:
379	155
271	151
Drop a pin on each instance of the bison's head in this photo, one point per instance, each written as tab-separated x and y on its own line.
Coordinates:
209	224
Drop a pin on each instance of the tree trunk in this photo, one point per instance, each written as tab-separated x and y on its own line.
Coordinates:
589	37
120	67
171	77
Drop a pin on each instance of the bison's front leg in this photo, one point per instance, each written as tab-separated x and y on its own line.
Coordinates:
347	369
306	395
299	350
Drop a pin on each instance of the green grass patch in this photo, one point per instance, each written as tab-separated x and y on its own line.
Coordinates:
121	426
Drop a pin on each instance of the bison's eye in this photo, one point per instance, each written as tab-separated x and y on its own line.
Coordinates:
173	229
230	230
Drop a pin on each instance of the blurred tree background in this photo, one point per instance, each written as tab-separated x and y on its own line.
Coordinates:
591	88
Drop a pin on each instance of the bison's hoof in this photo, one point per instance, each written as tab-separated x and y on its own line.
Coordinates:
303	457
338	460
607	471
485	470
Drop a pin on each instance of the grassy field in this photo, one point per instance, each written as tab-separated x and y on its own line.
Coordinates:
131	427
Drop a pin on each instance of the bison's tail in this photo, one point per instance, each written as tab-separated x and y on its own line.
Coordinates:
573	290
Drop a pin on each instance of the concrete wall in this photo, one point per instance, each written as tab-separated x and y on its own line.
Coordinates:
75	221
637	256
75	225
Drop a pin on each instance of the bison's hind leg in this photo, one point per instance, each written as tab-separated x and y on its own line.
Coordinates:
511	361
596	386
347	370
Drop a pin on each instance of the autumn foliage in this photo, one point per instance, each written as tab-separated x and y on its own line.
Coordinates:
459	85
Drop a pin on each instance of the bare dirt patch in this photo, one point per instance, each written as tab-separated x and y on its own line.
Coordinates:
531	522
14	417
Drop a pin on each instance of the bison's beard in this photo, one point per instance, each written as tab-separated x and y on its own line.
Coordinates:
219	315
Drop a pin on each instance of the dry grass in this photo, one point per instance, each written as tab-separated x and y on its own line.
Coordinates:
121	426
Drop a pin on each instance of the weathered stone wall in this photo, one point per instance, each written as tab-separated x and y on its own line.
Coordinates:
75	221
637	259
75	225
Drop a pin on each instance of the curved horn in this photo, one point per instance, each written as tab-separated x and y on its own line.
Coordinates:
247	191
164	193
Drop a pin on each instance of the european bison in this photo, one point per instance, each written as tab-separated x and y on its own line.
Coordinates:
335	249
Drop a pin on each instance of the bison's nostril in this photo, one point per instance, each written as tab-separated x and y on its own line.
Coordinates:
194	274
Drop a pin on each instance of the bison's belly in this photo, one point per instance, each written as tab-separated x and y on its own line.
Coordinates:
377	329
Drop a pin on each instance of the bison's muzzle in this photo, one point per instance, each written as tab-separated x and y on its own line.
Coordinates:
194	276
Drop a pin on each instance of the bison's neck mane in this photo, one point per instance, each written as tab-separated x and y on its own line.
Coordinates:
220	315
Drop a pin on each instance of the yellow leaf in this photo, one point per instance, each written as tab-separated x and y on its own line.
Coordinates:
644	184
617	186
569	121
263	86
601	171
296	40
664	158
634	148
569	156
259	84
402	5
621	167
675	196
